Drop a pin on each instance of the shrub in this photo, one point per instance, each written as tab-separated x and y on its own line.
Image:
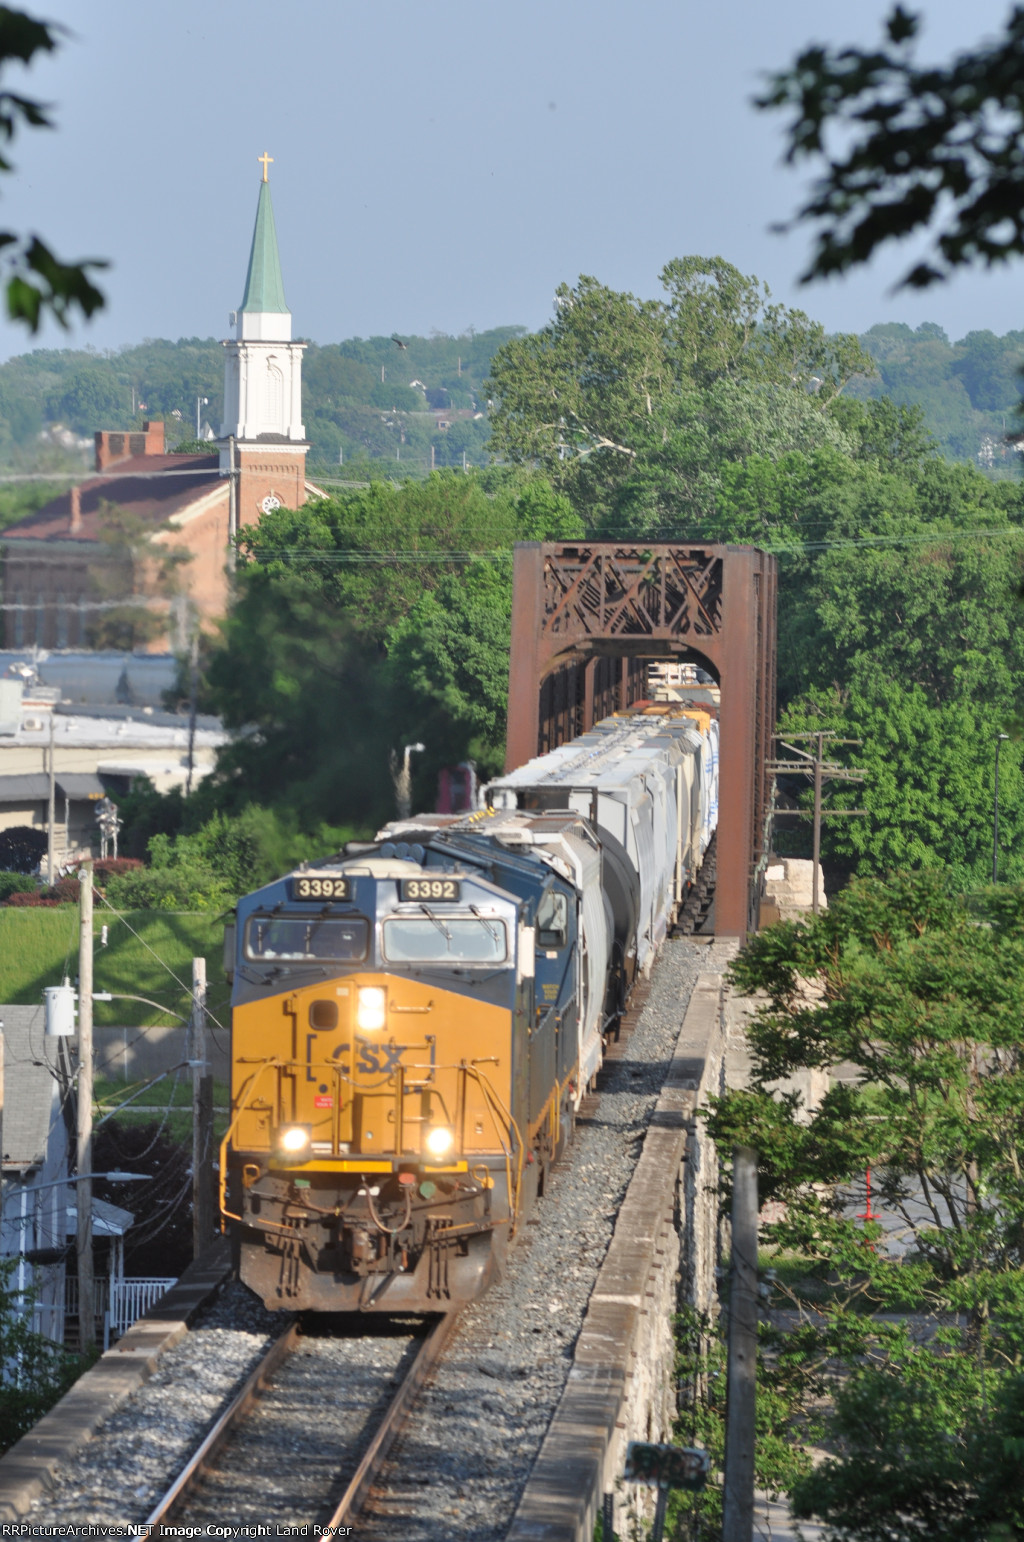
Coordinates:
113	867
45	1371
22	848
68	891
15	883
33	897
193	886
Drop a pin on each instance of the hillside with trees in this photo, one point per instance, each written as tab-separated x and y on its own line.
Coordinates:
371	403
968	391
412	402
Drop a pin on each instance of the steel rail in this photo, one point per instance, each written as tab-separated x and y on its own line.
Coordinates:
221	1429
376	1453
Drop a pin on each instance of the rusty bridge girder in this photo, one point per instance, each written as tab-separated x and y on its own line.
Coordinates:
588	617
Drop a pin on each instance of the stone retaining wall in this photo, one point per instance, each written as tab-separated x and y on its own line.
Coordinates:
662	1254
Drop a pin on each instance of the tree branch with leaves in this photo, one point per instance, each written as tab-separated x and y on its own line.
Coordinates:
907	150
39	283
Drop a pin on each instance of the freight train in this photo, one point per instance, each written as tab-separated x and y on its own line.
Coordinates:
415	1021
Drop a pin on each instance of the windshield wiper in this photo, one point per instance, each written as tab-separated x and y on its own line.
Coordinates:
445	933
492	929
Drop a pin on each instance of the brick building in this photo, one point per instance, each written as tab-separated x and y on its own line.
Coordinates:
58	565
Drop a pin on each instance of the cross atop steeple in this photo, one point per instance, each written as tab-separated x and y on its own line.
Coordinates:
267	160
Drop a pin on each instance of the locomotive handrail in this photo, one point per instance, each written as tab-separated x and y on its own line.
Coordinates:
492	1097
222	1176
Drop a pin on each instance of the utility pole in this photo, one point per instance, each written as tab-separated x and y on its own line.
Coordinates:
820	771
83	1188
202	1115
193	703
51	809
741	1408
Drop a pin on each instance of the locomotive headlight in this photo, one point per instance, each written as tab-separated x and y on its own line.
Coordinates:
371	1008
295	1139
440	1140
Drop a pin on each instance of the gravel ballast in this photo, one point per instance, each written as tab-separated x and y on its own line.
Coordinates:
460	1466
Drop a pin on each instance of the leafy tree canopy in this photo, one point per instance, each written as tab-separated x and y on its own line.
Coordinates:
914	1329
364	622
616	395
907	149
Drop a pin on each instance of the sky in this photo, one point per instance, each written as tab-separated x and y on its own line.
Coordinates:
440	167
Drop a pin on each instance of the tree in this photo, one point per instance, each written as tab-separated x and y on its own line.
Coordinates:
909	150
34	1371
39	282
449	659
579	398
363	622
915	1333
632	406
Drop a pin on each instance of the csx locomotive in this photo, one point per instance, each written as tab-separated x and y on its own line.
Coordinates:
415	1021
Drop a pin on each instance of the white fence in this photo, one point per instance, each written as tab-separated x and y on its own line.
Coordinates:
129	1300
119	1303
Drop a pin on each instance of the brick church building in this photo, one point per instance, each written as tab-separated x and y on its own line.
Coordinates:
167	519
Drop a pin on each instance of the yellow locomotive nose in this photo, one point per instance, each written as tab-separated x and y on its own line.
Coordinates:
371	1007
294	1140
440	1140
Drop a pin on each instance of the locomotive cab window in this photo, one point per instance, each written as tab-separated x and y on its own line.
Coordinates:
295	938
552	920
444	939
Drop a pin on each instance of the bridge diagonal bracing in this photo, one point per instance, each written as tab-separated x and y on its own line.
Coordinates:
588	617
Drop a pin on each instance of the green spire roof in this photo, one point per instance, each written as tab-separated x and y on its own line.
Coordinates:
264	287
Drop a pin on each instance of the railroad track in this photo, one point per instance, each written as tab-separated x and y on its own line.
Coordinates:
325	1511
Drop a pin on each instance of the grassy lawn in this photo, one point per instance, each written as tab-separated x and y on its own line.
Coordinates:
167	1101
148	953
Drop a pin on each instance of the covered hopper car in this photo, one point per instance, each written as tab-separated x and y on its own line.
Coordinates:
415	1021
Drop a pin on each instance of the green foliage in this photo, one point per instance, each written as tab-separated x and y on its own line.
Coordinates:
34	1371
135	564
39	283
449	658
969	391
15	883
914	1333
388	609
932	1445
701	1364
905	149
209	867
632	406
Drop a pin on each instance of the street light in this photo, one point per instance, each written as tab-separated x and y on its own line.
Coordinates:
201	401
403	780
995	813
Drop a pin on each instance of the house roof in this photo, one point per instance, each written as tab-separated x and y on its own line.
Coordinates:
29	1087
30	786
107	1220
264	286
153	488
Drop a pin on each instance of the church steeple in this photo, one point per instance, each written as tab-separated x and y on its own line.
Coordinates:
264	286
262	381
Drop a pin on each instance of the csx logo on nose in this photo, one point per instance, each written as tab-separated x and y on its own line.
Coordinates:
378	1059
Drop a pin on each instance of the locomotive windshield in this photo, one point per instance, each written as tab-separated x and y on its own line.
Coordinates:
299	937
444	939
